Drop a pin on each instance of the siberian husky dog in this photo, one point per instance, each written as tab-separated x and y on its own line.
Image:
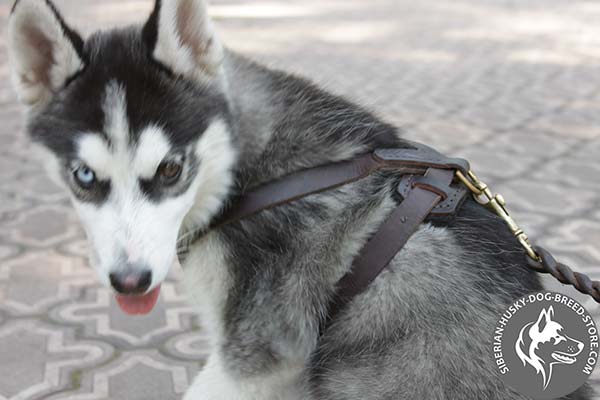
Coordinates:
155	128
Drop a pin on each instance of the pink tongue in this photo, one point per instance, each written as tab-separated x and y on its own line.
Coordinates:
138	305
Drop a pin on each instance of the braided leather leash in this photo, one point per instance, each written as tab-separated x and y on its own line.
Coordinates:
538	258
547	264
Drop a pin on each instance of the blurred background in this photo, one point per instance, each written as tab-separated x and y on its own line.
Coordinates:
513	85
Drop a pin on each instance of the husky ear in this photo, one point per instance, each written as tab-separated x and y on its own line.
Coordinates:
181	37
544	318
44	52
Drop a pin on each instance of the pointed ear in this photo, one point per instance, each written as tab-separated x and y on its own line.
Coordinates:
44	52
181	37
544	318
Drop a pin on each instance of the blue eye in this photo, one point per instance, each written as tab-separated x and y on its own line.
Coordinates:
84	176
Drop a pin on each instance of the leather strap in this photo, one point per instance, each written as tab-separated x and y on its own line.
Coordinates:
414	160
298	185
422	156
391	237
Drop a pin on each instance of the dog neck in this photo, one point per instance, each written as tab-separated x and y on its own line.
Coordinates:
284	124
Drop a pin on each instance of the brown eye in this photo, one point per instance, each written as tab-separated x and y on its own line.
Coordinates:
169	171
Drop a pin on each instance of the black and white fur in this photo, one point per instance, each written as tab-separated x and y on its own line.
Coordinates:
123	101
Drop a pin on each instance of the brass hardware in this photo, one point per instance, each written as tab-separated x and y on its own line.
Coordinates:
495	202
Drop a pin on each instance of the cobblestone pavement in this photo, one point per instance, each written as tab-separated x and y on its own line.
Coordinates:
512	85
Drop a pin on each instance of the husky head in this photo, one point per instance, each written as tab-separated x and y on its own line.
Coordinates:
543	344
136	124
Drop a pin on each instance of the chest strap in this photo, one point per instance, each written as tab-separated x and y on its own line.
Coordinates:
425	193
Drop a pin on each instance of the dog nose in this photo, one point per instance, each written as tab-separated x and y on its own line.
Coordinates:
131	282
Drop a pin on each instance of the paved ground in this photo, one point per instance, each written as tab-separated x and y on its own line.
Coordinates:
512	85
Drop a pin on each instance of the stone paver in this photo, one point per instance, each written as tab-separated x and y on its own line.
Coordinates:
514	86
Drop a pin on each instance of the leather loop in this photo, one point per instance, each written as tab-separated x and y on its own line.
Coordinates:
448	207
431	184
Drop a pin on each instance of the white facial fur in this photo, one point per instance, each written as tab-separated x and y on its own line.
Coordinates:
129	228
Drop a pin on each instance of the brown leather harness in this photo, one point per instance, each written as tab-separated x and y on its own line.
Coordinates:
428	187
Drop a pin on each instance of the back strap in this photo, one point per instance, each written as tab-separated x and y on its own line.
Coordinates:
414	160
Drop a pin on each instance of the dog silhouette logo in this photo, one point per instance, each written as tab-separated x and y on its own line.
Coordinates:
543	344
